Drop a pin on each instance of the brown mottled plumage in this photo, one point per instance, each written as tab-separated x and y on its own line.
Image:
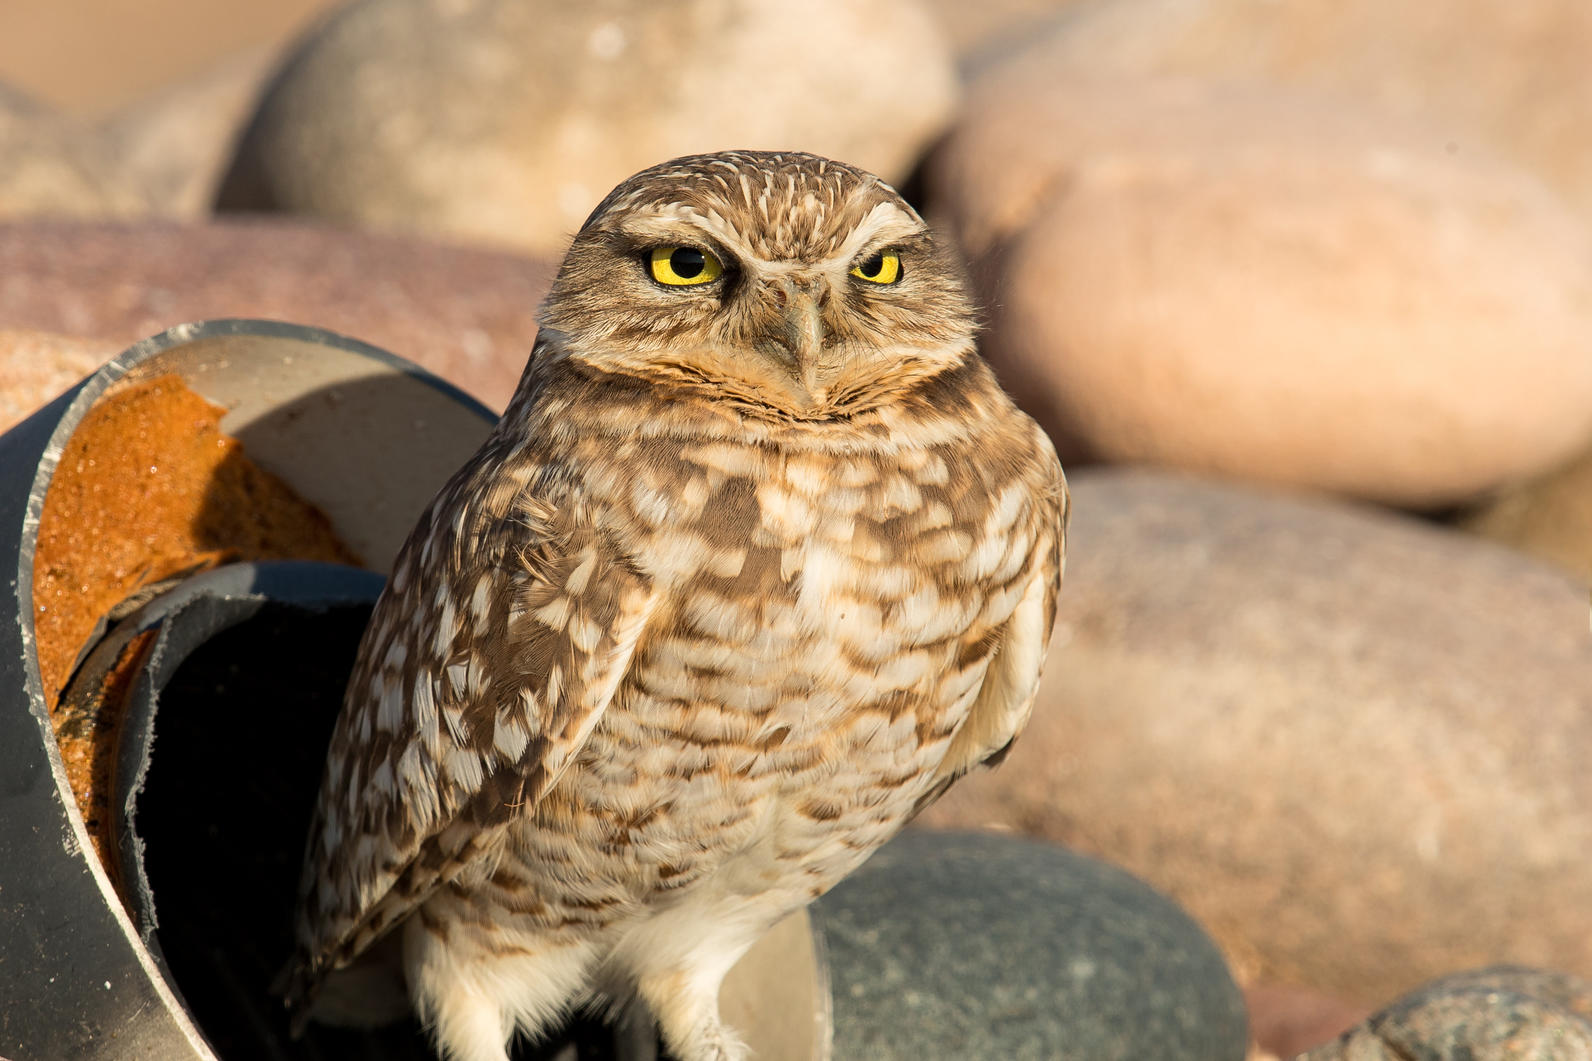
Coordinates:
751	569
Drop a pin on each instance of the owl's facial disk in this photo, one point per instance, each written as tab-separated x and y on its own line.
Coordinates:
807	307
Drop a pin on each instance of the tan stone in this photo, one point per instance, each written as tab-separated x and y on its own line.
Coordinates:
90	58
984	32
1353	745
1549	517
177	142
506	121
37	366
468	315
1270	286
1495	78
52	165
161	155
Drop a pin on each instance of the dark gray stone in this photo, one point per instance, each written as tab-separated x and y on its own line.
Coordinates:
1499	1012
966	945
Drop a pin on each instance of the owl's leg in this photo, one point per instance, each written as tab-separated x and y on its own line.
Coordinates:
473	999
677	960
467	1026
686	1005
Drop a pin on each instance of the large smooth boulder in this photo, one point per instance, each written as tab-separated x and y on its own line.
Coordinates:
1270	286
468	315
507	121
1352	744
1508	79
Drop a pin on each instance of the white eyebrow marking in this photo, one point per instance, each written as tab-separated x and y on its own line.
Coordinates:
885	222
664	225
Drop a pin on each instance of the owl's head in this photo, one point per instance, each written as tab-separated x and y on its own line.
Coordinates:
781	281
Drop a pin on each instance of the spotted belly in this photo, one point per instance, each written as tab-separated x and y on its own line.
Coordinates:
663	802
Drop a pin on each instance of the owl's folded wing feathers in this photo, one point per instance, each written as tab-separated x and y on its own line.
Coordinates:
1005	699
473	694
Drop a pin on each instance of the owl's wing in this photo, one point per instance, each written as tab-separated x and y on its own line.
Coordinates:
502	638
1005	700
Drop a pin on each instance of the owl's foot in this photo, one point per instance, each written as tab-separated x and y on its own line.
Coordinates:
677	958
687	1012
710	1041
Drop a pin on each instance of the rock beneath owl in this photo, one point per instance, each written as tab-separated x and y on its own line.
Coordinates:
52	165
1504	79
1350	743
1503	1012
467	315
1549	517
1269	286
963	945
506	121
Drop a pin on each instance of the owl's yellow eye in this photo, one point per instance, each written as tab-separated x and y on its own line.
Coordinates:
881	268
683	266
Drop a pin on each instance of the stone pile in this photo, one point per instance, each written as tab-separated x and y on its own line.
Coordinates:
1325	265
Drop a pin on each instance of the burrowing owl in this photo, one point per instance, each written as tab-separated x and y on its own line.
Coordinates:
759	559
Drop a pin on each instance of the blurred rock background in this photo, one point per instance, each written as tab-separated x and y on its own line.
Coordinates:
1302	291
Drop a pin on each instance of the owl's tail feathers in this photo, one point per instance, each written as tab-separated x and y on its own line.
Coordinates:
367	994
296	985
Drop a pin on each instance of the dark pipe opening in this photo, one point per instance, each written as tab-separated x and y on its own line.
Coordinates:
240	738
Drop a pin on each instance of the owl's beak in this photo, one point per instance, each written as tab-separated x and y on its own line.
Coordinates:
800	340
